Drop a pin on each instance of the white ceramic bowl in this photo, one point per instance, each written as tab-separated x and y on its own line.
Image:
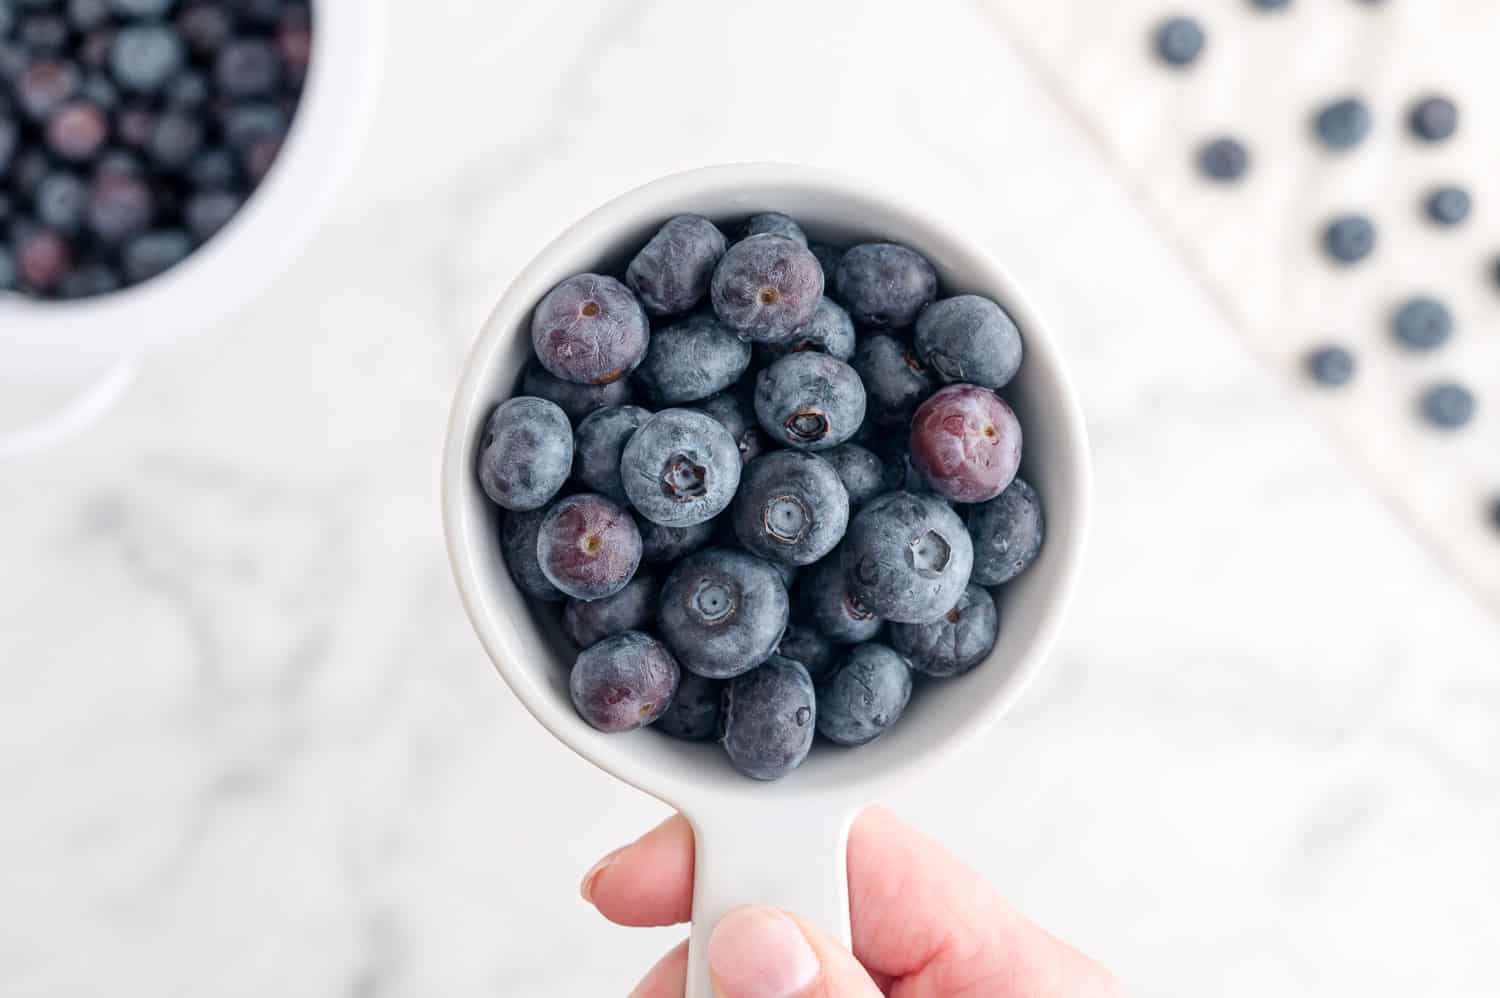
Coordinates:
98	338
778	843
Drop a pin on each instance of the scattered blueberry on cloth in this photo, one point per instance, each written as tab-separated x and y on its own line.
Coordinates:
1416	399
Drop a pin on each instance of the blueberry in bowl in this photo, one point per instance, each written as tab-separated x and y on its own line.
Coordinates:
200	192
790	334
101	81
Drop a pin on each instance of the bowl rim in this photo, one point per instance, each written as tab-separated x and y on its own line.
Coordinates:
651	202
257	245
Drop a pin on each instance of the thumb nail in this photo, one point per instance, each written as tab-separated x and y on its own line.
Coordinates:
760	953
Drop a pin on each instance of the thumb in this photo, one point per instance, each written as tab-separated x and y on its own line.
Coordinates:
765	953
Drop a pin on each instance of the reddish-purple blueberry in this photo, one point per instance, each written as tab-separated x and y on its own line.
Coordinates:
590	329
624	682
966	442
588	546
766	287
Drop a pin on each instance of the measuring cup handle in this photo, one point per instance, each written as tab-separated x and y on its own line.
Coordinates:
80	412
790	857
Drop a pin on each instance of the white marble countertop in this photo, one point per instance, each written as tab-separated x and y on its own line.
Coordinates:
251	746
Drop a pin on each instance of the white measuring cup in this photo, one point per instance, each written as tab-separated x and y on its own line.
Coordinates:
781	844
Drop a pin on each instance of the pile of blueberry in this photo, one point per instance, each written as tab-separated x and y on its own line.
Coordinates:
1418	323
770	480
131	131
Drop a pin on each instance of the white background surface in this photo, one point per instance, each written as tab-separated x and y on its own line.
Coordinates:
248	745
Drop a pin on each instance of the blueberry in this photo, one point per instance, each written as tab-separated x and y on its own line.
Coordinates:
8	274
154	252
671	273
43	259
966	442
1179	40
681	467
263	13
10	138
954	643
691	360
28	169
120	206
95	48
827	604
861	471
188	90
175	140
45	86
134	126
206	27
895	380
694	712
664	545
1448	405
885	285
142	8
525	454
864	696
209	211
1224	158
294	41
829	331
77	131
766	287
1349	238
213	169
791	508
88	281
1433	119
1343	124
828	258
900	473
633	608
735	412
61	201
810	401
1007	533
776	224
722	612
597	444
805	644
588	546
623	682
518	534
1331	365
246	124
576	400
257	158
1422	323
100	91
589	329
907	557
969	338
86	15
1448	205
143	57
247	67
769	719
43	34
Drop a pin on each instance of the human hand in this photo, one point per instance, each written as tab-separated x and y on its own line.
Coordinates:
923	925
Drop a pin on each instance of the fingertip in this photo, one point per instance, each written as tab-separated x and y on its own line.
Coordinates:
650	881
